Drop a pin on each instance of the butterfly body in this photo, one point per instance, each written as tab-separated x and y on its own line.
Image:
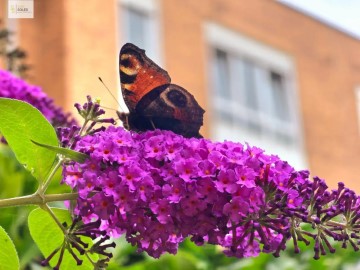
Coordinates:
152	100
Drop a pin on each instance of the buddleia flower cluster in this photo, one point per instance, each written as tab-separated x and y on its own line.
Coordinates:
16	88
158	188
77	232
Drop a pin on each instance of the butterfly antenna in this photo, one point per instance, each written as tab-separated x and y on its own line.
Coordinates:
108	108
111	93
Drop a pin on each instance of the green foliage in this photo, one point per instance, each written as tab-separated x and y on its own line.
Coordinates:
16	181
11	177
8	256
19	124
71	154
48	236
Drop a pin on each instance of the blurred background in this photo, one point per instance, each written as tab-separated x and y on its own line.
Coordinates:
265	71
271	73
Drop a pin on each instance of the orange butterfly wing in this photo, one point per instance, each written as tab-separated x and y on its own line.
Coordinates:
138	75
152	100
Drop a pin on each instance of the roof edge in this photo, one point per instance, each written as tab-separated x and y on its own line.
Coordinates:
319	19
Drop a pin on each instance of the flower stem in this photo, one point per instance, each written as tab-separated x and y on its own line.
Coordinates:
36	199
44	187
51	213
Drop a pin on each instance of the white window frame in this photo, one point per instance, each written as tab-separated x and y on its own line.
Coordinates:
152	9
219	37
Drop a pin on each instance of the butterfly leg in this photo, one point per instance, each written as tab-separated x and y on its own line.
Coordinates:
152	124
124	118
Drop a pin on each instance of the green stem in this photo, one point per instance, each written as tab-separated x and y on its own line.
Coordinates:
51	213
37	199
89	258
71	143
83	127
44	187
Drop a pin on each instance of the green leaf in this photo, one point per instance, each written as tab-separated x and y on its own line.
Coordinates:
48	236
73	155
19	123
9	259
12	179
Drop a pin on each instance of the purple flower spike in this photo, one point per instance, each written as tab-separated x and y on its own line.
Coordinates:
159	188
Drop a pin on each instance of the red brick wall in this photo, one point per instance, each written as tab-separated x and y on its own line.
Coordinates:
70	44
43	38
327	63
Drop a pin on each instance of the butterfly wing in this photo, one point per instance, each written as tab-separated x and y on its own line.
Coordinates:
171	107
138	75
152	101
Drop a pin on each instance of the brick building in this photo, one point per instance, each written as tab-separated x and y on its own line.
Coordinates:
264	72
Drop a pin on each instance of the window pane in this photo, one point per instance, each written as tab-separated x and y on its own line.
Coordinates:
237	80
136	27
221	69
280	97
249	86
264	92
252	98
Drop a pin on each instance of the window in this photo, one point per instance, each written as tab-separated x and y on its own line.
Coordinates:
254	95
139	24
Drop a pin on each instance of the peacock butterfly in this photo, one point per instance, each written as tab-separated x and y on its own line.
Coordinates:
154	102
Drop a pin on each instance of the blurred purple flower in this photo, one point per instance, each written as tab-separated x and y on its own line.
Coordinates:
16	88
